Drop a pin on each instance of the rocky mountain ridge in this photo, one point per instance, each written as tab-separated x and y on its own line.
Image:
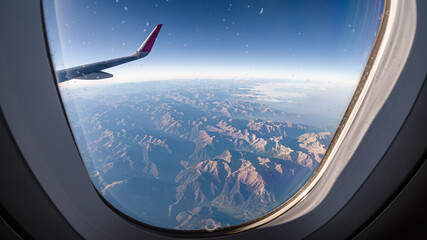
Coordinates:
217	164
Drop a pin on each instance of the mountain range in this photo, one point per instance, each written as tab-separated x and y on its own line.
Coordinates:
193	158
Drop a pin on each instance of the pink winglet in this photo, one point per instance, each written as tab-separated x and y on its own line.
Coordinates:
148	44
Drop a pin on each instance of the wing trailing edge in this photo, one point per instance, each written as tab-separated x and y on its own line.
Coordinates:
96	76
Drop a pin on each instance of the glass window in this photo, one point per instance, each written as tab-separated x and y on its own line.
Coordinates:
218	116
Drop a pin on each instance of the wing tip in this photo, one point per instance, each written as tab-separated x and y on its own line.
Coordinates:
149	42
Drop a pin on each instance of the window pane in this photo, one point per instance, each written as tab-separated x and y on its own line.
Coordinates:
227	117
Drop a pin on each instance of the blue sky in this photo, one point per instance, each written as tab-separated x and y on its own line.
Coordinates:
316	40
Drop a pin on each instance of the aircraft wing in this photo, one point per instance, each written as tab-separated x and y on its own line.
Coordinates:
93	71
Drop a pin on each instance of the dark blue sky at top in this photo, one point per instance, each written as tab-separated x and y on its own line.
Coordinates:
293	38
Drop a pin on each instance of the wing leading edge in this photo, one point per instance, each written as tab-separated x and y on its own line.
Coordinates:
93	71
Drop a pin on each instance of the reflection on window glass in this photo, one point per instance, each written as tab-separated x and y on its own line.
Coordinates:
228	115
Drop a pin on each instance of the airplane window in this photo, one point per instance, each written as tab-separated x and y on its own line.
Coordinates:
200	115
